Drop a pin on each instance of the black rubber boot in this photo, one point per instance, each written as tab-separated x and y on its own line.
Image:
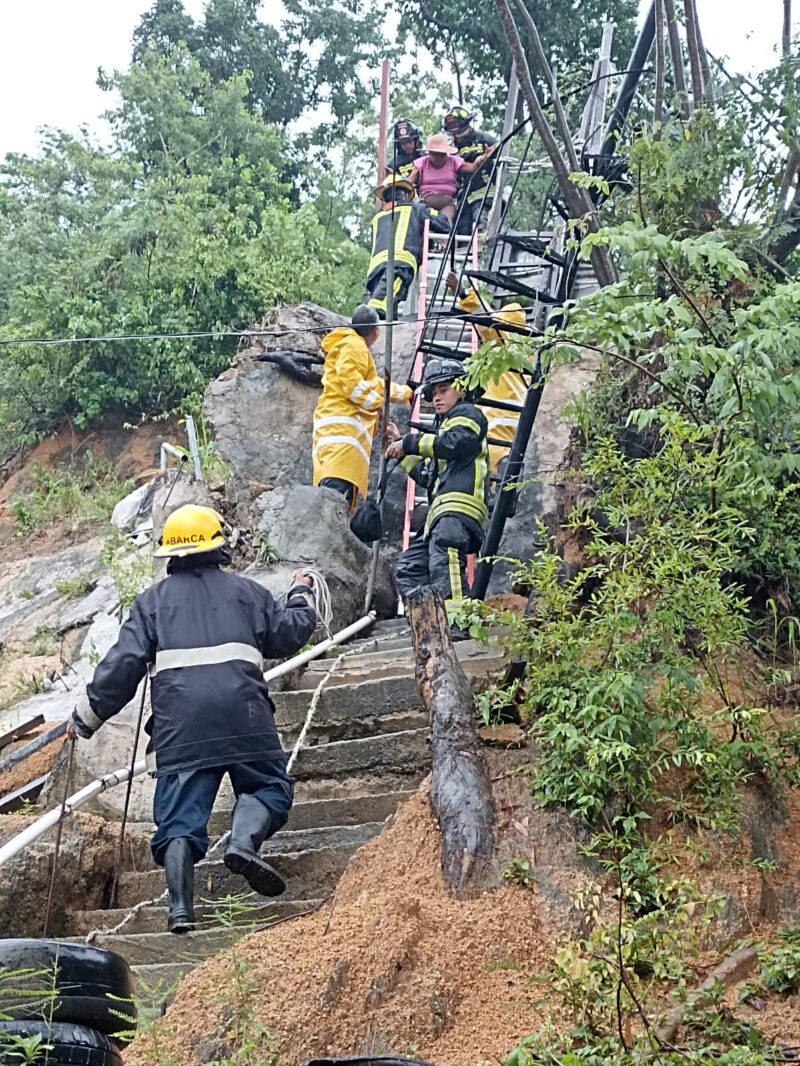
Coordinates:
250	827
179	869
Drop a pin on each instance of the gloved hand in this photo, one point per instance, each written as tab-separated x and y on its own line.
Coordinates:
76	728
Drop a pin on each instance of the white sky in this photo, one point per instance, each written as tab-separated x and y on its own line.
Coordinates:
50	51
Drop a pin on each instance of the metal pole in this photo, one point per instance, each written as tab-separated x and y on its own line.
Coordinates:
500	174
194	451
124	822
641	51
387	385
506	499
383	121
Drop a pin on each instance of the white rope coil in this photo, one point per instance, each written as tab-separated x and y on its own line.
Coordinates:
322	597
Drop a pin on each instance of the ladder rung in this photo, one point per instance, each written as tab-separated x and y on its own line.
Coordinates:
510	285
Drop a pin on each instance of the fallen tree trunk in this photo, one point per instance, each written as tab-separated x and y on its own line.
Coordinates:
729	972
461	797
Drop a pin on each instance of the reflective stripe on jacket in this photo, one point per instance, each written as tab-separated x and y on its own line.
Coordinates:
204	635
452	463
509	386
347	411
409	229
472	186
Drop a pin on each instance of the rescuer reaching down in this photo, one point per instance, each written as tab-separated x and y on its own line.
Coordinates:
203	634
397	194
451	463
346	415
471	144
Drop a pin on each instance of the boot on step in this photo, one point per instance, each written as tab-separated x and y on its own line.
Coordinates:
250	826
179	870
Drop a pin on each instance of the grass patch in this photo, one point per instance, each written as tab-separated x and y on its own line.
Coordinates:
80	492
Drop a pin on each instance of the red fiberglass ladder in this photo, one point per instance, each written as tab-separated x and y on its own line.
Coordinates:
458	335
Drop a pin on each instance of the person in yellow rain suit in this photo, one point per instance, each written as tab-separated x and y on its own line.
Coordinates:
346	415
509	386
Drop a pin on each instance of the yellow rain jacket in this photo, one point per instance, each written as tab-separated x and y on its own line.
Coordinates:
347	411
509	387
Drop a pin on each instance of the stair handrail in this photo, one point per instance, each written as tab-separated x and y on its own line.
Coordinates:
79	799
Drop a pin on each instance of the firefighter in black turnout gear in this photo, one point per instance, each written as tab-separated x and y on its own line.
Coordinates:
451	462
409	221
471	143
203	635
405	149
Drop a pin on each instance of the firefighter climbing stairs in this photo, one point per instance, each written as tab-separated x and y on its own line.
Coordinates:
366	752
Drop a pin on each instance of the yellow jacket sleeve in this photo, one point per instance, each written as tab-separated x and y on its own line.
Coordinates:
355	375
471	303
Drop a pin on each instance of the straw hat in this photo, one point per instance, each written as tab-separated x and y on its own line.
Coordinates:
439	143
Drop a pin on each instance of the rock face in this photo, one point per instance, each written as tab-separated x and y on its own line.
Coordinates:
31	590
261	417
304	525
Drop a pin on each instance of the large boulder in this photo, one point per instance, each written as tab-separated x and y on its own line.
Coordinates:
307	526
262	419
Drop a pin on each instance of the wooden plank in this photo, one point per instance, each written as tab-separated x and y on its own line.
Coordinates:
20	730
12	801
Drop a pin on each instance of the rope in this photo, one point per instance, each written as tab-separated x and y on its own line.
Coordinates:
323	604
144	904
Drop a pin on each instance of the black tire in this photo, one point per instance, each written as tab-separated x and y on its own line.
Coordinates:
92	986
69	1045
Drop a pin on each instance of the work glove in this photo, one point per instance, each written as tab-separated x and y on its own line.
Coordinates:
76	728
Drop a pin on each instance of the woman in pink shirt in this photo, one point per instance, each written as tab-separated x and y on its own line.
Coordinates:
436	174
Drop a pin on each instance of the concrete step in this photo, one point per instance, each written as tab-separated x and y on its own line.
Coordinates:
402	754
154	919
370	698
310	874
312	813
474	657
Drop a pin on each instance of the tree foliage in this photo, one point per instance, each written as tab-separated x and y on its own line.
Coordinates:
184	227
318	56
467	32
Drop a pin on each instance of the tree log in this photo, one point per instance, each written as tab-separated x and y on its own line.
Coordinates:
461	795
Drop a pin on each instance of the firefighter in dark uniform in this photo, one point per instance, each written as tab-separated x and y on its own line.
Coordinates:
203	635
397	196
451	462
406	148
471	144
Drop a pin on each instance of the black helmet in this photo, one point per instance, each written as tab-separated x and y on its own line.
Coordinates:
457	119
405	130
437	372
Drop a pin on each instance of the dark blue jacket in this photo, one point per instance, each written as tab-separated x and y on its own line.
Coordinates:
203	635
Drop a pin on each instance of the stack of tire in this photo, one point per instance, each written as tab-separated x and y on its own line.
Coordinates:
71	1003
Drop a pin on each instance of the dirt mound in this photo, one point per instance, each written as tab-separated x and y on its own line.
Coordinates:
390	965
134	453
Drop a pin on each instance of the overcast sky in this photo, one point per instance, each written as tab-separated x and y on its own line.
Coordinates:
50	51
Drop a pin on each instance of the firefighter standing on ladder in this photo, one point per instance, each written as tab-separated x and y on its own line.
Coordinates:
397	195
203	635
471	145
451	462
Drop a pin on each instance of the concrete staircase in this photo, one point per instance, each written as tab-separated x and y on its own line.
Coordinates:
365	752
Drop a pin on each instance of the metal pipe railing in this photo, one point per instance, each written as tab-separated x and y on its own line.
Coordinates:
47	821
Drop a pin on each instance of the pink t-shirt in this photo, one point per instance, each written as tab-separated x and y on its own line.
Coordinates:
442	180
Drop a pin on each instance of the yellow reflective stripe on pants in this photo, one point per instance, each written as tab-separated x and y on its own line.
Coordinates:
454	569
380	304
213	655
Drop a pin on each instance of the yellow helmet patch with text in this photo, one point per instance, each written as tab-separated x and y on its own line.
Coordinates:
190	530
